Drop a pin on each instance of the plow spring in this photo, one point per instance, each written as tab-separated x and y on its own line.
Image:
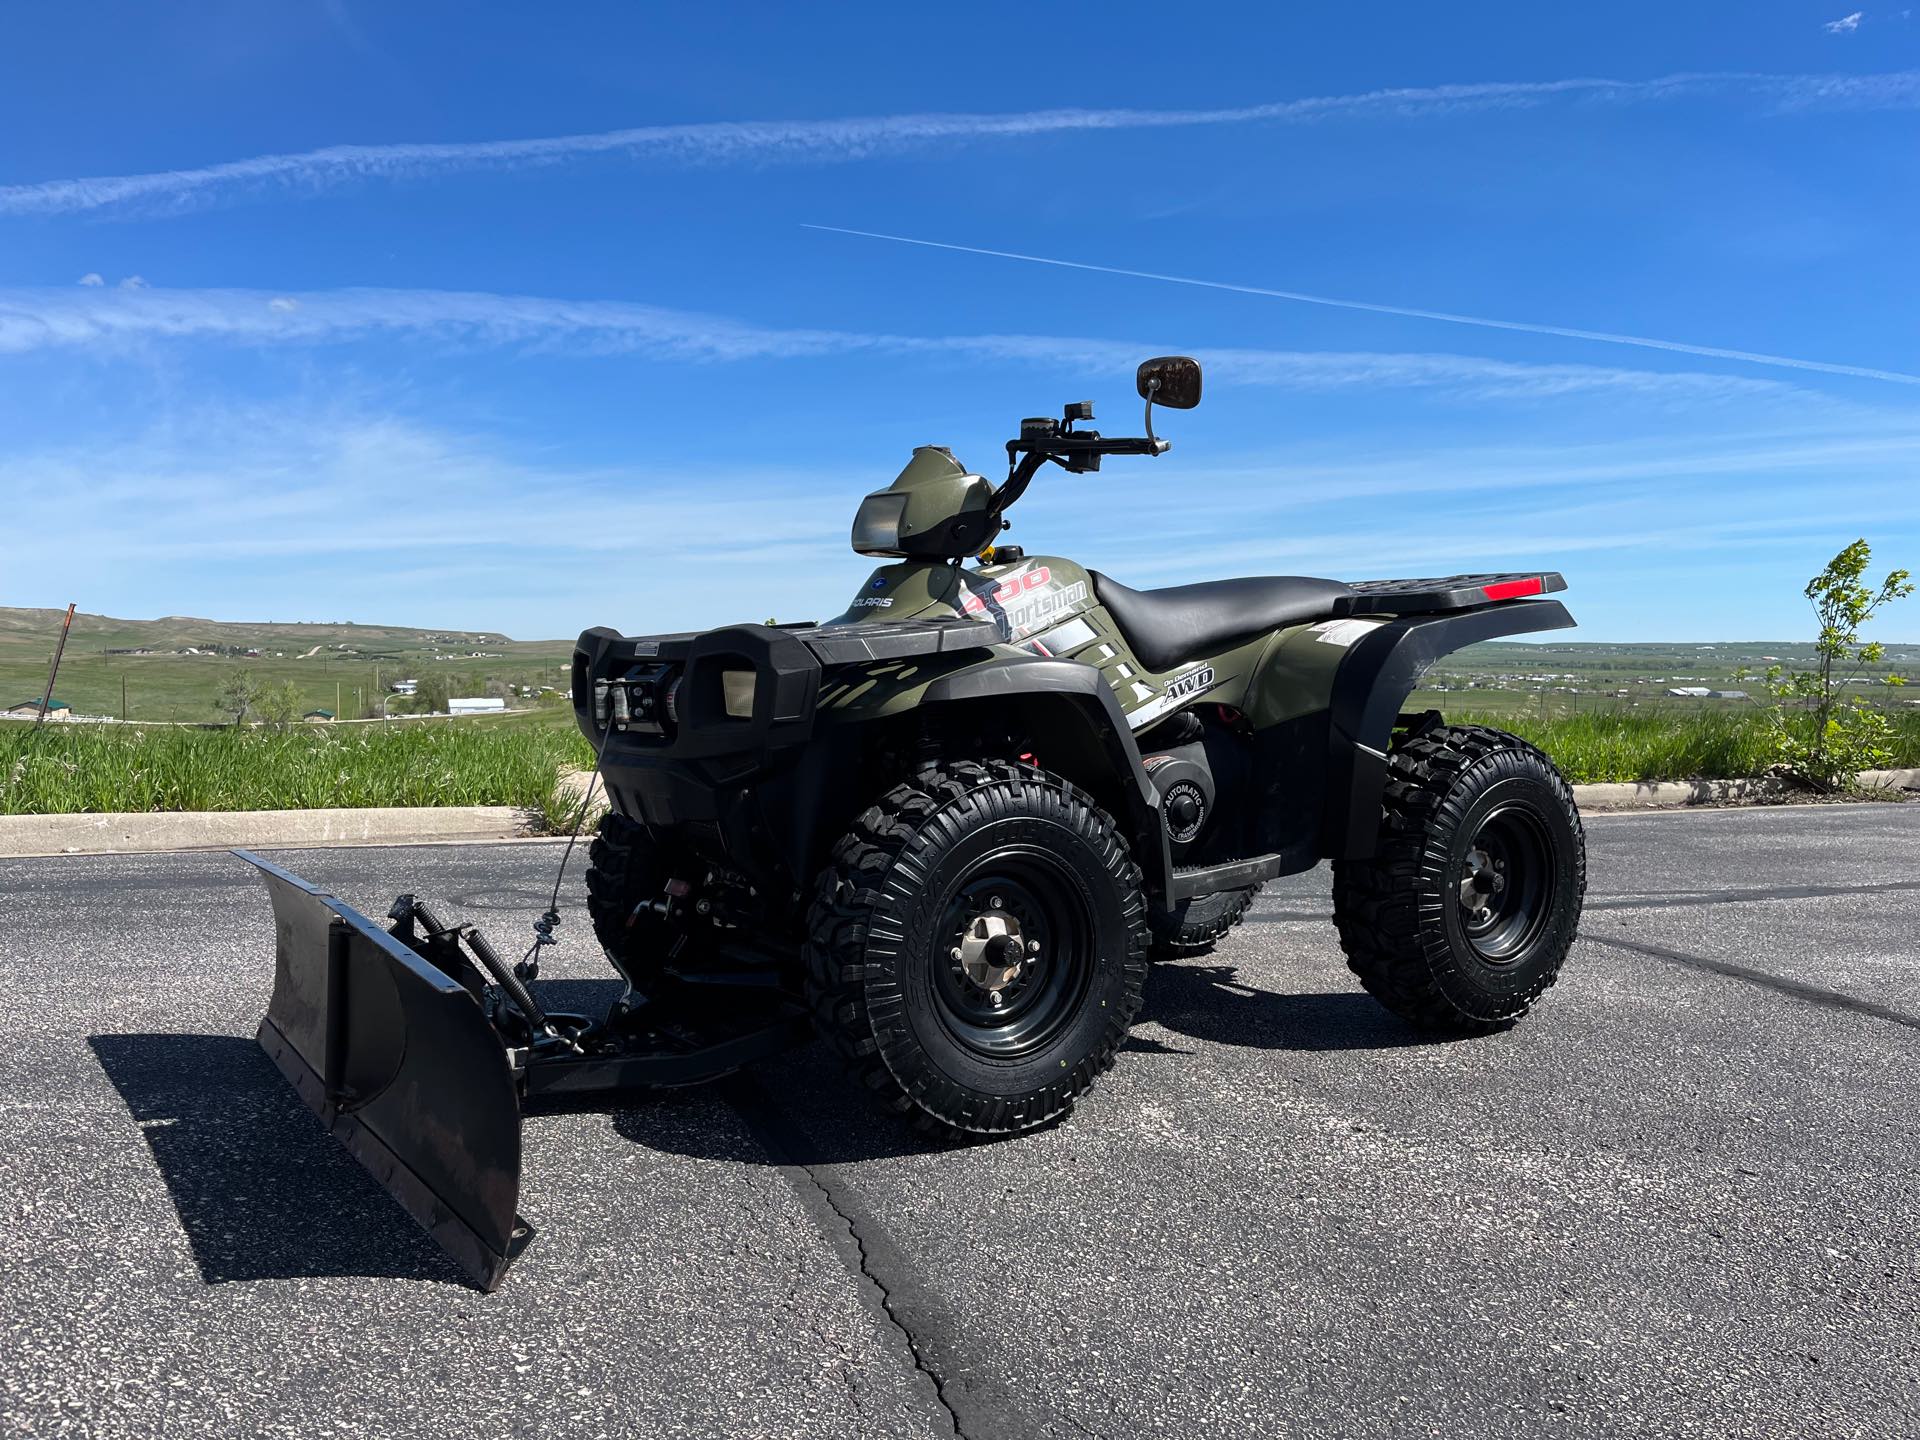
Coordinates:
415	1046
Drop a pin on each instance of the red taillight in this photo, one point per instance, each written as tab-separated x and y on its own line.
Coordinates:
1513	589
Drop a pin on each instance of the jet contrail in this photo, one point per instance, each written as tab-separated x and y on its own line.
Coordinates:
840	141
1714	352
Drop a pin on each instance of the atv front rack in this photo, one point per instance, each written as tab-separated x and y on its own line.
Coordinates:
415	1045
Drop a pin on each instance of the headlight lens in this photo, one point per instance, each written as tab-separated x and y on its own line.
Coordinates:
736	693
876	528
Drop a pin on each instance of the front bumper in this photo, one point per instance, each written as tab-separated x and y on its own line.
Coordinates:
667	696
718	776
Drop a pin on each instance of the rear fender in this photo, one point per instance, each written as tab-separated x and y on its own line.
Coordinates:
1370	689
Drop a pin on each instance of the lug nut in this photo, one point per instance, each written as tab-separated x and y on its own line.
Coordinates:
1033	947
994	901
996	997
955	952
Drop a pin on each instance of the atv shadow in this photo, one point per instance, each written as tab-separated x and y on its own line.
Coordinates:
1206	1002
819	1117
262	1191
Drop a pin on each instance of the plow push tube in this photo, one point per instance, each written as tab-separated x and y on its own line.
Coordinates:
400	1063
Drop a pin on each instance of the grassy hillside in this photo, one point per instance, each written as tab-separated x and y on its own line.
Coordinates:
338	667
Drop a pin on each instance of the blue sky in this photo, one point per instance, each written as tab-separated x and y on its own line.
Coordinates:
448	315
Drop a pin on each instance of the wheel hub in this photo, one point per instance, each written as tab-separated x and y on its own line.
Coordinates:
1480	880
992	950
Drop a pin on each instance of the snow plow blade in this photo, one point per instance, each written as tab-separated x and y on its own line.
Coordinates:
403	1066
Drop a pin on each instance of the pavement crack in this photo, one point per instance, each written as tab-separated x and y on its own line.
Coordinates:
785	1145
1655	900
1798	989
885	1292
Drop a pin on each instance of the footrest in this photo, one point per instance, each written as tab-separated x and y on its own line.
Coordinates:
1232	875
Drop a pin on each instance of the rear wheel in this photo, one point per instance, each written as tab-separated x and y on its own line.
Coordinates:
978	946
1194	927
1465	913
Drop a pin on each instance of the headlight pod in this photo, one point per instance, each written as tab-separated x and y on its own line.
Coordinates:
736	693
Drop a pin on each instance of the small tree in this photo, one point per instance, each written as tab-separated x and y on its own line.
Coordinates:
432	695
1821	733
239	696
279	705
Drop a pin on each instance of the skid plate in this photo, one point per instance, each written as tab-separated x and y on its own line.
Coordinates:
403	1067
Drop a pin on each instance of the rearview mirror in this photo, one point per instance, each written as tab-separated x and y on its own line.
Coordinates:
1170	380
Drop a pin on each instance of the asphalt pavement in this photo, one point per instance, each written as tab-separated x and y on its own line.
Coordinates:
1679	1199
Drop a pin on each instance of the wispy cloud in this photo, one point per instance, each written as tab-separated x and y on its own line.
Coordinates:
285	509
108	320
1713	352
828	141
1845	25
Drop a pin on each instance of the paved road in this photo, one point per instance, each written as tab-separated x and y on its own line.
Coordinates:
1681	1199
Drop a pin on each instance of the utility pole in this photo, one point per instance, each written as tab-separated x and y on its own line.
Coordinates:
336	699
123	695
52	673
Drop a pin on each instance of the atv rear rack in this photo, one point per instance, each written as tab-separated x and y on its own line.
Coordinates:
415	1045
1450	592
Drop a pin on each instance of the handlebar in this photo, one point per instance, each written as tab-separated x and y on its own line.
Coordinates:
1042	440
1078	451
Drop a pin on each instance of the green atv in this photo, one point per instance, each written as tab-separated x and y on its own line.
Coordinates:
950	828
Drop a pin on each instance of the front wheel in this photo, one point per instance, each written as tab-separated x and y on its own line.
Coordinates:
978	946
1464	914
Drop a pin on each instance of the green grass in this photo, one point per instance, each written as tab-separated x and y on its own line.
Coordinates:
515	760
1630	745
70	768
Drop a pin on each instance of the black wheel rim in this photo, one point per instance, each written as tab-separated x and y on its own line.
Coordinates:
1507	885
1026	897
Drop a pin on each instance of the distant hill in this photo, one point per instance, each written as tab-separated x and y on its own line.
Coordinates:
94	633
173	668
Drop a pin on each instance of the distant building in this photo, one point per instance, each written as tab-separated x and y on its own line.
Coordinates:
319	717
1689	692
56	709
475	705
404	687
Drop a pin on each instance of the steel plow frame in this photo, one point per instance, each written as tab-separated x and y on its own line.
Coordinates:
416	1059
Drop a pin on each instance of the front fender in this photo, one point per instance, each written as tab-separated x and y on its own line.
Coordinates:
1079	728
1371	687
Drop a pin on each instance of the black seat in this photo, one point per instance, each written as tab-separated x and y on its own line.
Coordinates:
1165	627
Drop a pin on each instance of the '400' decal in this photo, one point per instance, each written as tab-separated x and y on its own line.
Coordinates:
975	602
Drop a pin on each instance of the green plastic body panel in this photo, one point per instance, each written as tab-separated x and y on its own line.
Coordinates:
1045	605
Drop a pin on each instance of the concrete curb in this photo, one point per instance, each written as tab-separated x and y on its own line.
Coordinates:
1672	794
22	836
25	835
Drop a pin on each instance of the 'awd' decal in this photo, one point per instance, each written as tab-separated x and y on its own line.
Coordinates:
1178	691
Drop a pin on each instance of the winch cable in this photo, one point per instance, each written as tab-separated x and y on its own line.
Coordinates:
543	928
